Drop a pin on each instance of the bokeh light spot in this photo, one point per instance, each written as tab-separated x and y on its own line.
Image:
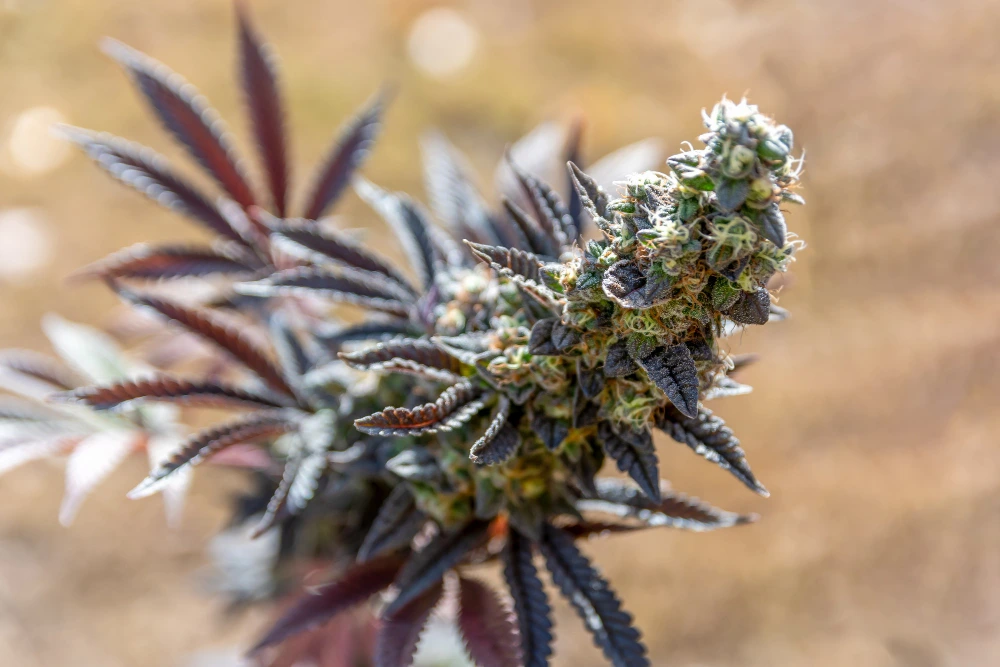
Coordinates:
442	42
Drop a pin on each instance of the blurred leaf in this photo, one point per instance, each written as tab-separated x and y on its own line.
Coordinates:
254	427
401	629
258	73
486	625
92	460
425	568
321	282
355	585
347	154
397	521
165	388
409	222
186	114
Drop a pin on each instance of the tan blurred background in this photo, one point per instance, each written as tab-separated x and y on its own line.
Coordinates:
875	409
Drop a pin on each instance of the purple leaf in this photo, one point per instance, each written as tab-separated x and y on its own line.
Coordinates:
351	149
486	625
186	114
501	439
320	282
258	73
314	243
531	606
164	388
356	585
509	262
399	635
633	451
425	568
209	327
454	407
672	370
252	428
143	261
413	356
39	367
397	521
145	171
593	599
708	436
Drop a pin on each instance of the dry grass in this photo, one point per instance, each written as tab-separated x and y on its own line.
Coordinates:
875	407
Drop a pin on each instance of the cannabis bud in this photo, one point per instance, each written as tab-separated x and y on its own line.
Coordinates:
468	418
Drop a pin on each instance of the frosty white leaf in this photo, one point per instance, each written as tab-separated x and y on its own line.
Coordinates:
92	460
86	349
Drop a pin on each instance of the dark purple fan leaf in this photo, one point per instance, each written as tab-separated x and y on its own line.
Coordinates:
186	114
209	327
486	625
399	635
708	436
358	583
593	599
538	240
143	170
509	262
252	428
348	153
315	243
321	282
147	262
531	605
672	370
634	453
425	568
395	525
165	388
258	74
454	198
454	407
414	356
410	224
500	440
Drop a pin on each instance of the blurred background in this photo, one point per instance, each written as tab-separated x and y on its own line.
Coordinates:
874	414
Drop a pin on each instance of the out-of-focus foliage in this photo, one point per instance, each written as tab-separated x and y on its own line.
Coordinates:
905	520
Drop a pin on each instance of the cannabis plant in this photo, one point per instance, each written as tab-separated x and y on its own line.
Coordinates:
468	418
